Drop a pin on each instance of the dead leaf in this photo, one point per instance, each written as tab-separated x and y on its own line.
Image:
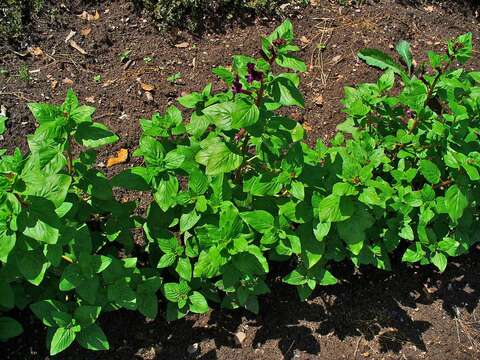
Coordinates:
304	40
54	84
336	59
67	81
146	87
314	2
182	45
77	47
429	8
90	99
120	158
89	17
85	31
70	35
35	51
307	127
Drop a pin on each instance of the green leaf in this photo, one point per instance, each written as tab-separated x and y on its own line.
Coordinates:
173	159
122	294
82	114
184	268
377	58
188	220
244	114
7	297
439	260
456	202
166	193
414	253
166	260
93	338
44	112
9	328
286	93
335	208
33	265
403	49
147	304
198	182
86	314
190	100
295	278
198	303
261	220
291	62
45	309
135	178
93	135
430	171
61	340
218	159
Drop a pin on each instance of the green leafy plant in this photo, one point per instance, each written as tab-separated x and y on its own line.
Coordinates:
24	73
174	78
148	60
97	78
125	55
236	188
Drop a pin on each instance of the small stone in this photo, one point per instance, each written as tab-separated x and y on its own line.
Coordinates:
149	96
240	338
182	45
147	353
193	349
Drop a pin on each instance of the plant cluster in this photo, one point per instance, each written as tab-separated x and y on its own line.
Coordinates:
235	188
197	15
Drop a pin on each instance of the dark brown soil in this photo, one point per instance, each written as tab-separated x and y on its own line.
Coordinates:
406	314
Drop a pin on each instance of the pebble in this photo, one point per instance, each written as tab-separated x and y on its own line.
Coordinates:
193	349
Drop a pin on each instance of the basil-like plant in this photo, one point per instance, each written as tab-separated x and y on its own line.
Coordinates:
235	188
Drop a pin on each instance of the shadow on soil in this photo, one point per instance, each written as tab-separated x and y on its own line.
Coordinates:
367	305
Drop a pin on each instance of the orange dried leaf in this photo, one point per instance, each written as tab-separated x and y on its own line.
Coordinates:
89	17
85	31
122	156
147	87
35	51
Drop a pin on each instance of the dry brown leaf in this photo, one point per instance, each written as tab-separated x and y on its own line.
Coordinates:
304	40
318	100
67	81
54	84
89	17
77	47
429	8
307	127
147	87
336	59
120	158
85	31
182	45
35	51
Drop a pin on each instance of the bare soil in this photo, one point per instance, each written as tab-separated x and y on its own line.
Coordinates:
410	313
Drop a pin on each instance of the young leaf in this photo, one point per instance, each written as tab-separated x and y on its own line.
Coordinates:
62	339
377	58
198	303
403	49
456	202
93	338
430	171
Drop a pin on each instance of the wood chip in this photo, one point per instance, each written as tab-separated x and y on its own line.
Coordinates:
240	338
120	158
54	84
182	45
89	17
77	47
304	40
85	31
70	35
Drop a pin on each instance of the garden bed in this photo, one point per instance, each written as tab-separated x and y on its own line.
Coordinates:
409	313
